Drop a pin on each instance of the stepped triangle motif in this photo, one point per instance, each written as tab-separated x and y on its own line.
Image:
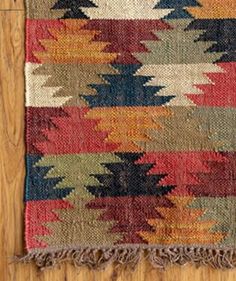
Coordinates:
221	92
182	168
72	44
126	126
77	225
128	179
38	30
76	170
215	210
125	9
69	82
180	80
179	8
126	89
129	39
182	67
41	187
130	214
38	213
182	46
39	94
181	225
221	180
180	132
220	31
75	125
73	8
127	190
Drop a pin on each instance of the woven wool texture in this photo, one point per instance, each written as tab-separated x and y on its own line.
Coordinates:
130	131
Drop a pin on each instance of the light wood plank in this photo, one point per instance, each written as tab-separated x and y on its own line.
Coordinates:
11	138
12	178
11	4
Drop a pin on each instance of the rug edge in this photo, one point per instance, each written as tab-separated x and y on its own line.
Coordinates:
129	257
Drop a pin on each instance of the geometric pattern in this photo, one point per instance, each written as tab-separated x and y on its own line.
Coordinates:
130	130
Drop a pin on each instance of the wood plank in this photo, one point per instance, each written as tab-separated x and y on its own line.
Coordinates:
11	138
12	177
11	4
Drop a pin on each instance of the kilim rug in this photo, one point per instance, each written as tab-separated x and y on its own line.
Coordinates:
130	131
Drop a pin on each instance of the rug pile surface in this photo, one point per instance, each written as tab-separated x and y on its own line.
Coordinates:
130	131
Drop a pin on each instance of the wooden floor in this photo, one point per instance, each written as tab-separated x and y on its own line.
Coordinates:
12	175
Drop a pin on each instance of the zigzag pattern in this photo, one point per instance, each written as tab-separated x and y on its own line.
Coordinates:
131	117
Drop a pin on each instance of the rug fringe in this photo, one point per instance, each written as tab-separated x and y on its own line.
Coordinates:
130	256
216	258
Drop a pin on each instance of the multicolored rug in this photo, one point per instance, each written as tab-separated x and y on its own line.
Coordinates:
130	131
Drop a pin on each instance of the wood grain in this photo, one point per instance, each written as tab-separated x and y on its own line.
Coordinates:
12	179
11	5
